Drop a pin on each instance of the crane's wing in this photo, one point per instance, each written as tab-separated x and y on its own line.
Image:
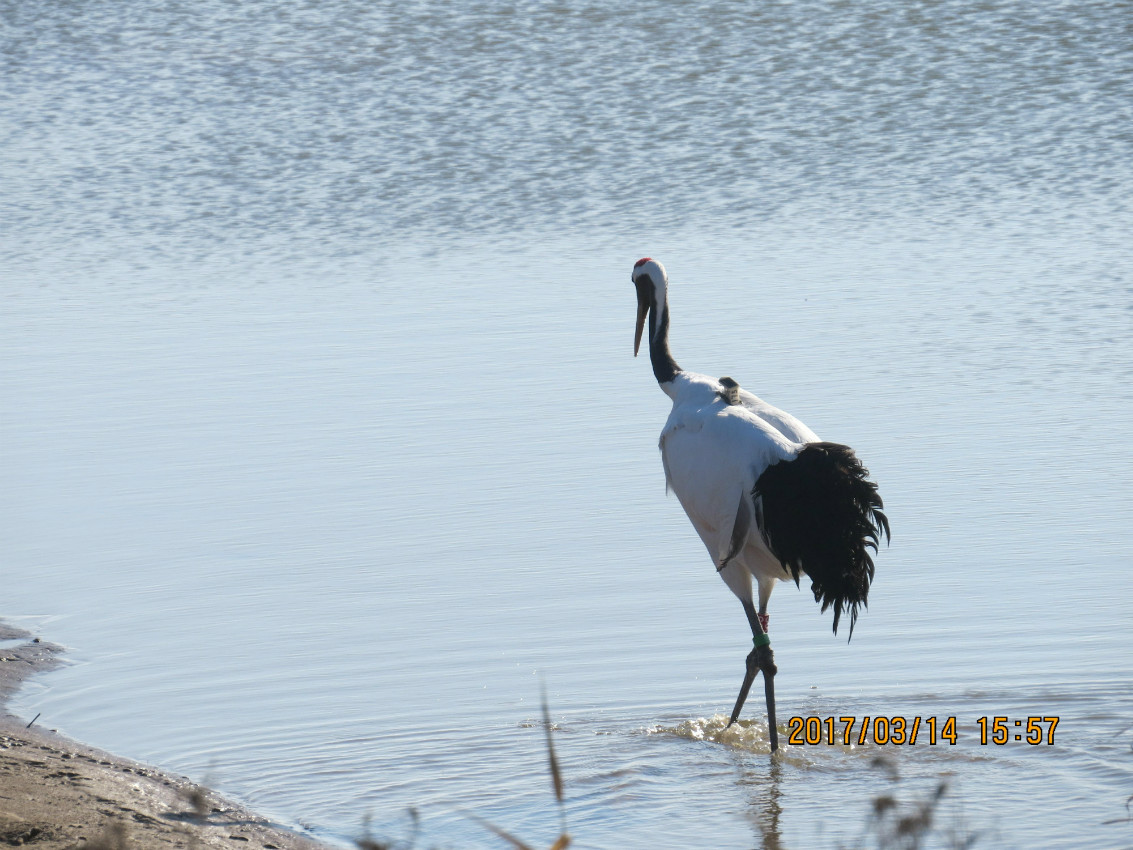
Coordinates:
780	420
820	514
713	455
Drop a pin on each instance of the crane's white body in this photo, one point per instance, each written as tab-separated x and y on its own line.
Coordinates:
713	453
768	498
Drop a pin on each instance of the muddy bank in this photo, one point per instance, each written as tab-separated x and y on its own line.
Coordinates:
57	794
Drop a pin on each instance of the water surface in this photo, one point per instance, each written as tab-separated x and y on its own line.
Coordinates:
325	447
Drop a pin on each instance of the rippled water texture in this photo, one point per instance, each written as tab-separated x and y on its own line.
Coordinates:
348	124
324	446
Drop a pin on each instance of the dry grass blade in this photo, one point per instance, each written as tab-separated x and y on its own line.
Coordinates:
556	776
368	842
502	833
1128	817
563	841
115	837
198	801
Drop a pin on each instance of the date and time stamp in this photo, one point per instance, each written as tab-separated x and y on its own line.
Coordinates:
909	731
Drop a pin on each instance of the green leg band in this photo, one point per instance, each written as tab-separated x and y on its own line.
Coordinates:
761	640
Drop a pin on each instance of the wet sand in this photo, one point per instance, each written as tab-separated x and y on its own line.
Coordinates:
57	794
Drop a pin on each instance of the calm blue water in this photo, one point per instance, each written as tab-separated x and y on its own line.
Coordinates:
324	446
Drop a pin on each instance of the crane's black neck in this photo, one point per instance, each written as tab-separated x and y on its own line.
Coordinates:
665	368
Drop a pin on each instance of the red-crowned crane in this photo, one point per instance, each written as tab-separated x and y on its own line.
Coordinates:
768	498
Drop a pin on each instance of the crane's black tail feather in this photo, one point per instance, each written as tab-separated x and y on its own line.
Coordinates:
820	514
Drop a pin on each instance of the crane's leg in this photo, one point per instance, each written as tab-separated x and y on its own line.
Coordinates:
765	588
760	658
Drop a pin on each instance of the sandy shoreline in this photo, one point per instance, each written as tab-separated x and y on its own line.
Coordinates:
57	794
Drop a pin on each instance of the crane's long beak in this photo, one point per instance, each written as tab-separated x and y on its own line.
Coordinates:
642	312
